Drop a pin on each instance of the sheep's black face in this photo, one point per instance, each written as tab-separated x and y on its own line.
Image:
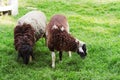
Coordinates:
26	52
82	51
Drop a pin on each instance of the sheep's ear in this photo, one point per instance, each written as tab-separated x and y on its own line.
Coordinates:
77	41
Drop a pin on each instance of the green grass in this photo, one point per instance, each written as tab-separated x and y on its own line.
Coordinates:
93	21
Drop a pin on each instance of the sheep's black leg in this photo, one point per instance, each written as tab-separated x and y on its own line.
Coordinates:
60	55
33	56
45	39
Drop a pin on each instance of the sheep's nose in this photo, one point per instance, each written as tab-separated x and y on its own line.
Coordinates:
83	55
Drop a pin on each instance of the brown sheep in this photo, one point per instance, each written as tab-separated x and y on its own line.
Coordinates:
28	30
58	38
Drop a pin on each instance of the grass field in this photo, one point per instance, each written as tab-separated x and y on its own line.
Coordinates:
97	22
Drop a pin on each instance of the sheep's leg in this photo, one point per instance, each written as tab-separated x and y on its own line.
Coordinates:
60	55
33	57
45	40
53	59
18	57
30	59
69	53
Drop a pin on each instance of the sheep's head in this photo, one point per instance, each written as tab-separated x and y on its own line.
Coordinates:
26	53
82	51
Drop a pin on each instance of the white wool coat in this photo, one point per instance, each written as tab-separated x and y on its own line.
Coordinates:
36	19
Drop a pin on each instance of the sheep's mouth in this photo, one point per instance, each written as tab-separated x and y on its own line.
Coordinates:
82	55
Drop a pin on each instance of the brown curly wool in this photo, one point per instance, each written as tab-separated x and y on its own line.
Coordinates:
62	41
24	35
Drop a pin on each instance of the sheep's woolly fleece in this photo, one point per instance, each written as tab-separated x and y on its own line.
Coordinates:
36	19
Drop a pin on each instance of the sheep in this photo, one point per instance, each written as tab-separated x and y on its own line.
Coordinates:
59	38
29	29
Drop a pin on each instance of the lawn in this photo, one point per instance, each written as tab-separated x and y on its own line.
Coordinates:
96	22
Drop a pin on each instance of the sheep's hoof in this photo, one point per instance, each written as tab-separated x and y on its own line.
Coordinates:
60	61
18	58
53	66
69	54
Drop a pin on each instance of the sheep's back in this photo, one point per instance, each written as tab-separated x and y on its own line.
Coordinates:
60	21
36	19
